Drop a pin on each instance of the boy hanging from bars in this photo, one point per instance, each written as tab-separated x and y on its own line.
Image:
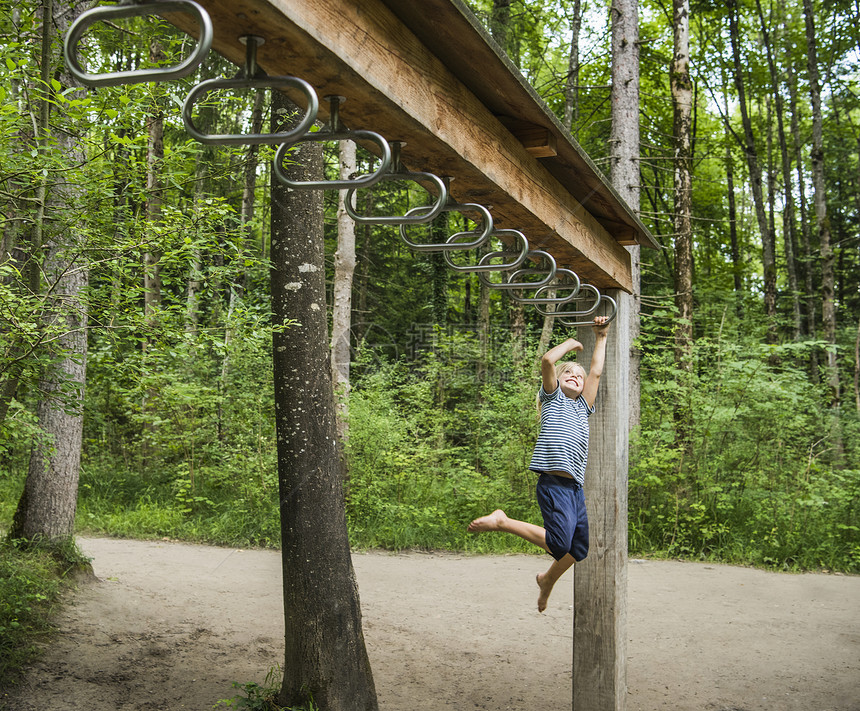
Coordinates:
566	401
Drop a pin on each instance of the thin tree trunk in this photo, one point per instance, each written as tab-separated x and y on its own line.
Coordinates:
195	275
768	256
809	293
237	288
788	226
439	283
548	322
682	99
518	331
205	154
344	269
737	266
360	323
324	656
249	187
571	84
152	282
483	334
154	163
624	165
468	316
822	222
771	194
624	131
857	369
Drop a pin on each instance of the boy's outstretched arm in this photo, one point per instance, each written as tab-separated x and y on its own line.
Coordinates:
553	356
598	358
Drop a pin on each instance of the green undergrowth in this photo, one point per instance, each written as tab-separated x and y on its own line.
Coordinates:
263	697
33	578
748	466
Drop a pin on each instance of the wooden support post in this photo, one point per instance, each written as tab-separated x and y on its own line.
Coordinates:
600	582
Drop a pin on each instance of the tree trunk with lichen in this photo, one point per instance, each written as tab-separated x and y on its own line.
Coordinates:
325	657
682	102
46	509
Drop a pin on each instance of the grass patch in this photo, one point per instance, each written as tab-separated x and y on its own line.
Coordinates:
32	579
257	697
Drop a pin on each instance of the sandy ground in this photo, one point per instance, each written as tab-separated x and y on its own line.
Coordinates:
169	626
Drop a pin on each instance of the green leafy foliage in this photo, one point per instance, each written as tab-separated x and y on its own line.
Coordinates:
262	697
32	578
195	461
759	476
431	448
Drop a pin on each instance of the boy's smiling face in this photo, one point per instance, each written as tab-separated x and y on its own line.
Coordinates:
571	380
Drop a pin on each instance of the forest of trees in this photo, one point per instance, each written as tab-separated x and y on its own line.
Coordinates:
136	390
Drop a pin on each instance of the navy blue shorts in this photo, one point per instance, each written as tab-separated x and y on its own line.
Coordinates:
562	503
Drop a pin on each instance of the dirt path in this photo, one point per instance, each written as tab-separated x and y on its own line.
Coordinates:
169	626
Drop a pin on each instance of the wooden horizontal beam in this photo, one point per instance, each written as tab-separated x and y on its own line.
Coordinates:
464	45
395	85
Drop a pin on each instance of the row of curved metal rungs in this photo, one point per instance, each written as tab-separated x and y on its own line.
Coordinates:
508	263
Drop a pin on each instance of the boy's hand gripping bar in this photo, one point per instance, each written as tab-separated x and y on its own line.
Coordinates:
136	8
602	298
250	77
335	132
583	318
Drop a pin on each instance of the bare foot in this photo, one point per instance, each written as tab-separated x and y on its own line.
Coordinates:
490	522
545	586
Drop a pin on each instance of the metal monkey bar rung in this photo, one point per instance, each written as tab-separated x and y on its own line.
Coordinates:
585	317
534	255
250	77
561	274
485	262
613	312
335	132
478	237
136	8
398	172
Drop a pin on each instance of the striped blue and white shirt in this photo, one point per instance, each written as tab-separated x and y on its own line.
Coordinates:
562	445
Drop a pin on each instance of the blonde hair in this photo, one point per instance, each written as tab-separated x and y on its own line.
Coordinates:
560	369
